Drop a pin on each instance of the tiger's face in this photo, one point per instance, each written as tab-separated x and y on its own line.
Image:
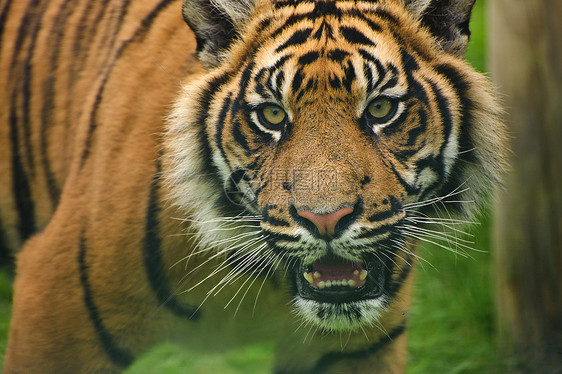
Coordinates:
327	129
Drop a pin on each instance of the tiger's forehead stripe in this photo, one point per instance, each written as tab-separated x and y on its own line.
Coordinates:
343	73
292	13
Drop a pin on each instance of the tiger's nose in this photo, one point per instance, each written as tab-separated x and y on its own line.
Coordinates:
327	224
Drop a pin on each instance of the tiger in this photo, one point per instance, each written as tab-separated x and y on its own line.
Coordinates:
217	173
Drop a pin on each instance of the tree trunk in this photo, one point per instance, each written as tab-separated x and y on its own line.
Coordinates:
526	63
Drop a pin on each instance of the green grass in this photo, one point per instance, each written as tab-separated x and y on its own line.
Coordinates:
5	308
451	324
452	321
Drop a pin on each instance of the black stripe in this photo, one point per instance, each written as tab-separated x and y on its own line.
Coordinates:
372	233
326	8
368	74
279	63
385	15
289	22
209	170
109	42
83	35
3	16
56	35
240	138
239	103
288	3
308	58
381	72
354	36
261	82
438	163
466	143
297	81
337	55
264	24
26	80
273	238
311	85
272	220
392	82
334	81
324	29
461	86
219	127
118	355
372	24
332	358
395	208
154	264
329	359
279	80
349	76
396	284
299	37
20	182
414	133
140	33
7	263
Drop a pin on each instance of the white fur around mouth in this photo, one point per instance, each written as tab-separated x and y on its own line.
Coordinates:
340	317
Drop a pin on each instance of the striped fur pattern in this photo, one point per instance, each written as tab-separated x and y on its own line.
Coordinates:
285	181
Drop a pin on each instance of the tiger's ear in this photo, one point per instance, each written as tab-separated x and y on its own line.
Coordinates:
216	24
447	20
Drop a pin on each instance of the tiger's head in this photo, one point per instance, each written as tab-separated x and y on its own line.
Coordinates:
323	135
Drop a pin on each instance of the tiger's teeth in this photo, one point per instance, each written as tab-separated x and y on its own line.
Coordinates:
351	283
316	274
308	277
321	284
363	275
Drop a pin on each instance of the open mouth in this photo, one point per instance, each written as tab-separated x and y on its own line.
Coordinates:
333	279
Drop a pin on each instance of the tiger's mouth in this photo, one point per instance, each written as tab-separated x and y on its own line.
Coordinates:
332	279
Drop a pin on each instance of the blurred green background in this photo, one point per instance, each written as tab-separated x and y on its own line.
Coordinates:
451	324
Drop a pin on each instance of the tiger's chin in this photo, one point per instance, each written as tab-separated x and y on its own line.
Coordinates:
338	317
340	295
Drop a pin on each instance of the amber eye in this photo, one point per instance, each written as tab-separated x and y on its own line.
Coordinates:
381	108
272	115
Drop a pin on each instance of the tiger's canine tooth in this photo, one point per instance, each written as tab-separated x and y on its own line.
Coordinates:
363	275
308	277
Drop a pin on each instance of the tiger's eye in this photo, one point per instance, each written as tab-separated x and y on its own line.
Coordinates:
273	114
381	107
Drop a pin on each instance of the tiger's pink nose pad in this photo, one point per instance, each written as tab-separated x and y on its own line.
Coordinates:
326	223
